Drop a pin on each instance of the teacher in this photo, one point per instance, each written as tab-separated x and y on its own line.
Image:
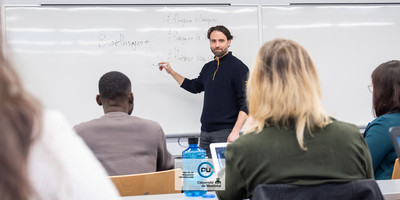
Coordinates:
223	81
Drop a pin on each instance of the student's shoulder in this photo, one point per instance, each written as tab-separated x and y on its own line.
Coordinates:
343	128
147	124
342	124
55	120
392	119
86	124
55	126
145	121
53	115
383	123
246	139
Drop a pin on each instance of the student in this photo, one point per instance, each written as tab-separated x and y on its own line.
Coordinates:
289	138
41	157
124	144
223	82
386	104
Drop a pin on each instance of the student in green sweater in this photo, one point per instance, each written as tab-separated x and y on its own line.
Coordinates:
289	137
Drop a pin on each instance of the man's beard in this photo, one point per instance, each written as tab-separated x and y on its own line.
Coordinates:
221	53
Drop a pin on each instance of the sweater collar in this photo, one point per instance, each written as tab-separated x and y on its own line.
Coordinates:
229	54
115	114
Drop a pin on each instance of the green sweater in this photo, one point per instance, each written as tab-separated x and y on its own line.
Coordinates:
336	153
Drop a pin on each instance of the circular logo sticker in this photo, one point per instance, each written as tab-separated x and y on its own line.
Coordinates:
205	169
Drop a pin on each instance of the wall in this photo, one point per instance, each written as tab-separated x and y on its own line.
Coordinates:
346	40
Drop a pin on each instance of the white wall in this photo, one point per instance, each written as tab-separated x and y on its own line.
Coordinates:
163	2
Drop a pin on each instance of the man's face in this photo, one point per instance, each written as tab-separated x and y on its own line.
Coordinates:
219	44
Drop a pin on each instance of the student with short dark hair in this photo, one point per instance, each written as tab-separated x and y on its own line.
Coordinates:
386	104
124	144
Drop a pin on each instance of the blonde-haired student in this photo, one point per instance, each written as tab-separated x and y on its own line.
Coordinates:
289	138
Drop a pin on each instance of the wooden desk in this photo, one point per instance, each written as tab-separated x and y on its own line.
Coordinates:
389	188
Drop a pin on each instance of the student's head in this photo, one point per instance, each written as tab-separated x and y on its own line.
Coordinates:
386	88
220	40
284	90
115	93
20	116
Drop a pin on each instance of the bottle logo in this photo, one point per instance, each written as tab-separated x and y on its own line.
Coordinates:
205	169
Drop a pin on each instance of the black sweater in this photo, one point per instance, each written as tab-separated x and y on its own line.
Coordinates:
224	92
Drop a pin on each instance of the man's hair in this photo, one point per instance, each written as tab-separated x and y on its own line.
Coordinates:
386	83
113	85
222	29
284	90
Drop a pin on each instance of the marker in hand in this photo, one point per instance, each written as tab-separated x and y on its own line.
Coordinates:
169	70
159	66
164	65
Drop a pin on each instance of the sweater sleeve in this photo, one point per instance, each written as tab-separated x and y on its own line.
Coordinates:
240	84
193	85
165	161
378	139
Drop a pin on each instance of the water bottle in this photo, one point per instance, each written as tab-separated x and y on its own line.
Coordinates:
191	187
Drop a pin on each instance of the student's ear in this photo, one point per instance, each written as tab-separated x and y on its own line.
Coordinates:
131	98
98	100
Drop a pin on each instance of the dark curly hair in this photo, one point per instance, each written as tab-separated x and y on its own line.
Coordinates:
113	85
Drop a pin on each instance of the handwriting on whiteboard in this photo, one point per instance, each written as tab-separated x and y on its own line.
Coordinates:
105	41
183	20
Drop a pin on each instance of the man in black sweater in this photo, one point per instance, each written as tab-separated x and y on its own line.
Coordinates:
223	81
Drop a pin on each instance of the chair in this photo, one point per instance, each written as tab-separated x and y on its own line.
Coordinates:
396	169
161	182
366	189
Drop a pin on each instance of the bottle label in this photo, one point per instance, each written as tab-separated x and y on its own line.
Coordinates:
199	175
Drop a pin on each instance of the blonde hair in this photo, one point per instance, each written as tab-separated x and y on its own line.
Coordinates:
283	89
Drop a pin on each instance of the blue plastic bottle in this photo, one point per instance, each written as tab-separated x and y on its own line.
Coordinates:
193	152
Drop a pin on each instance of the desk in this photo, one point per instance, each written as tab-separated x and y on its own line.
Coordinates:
175	196
389	188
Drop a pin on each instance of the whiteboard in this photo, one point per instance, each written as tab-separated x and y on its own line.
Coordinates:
346	43
62	51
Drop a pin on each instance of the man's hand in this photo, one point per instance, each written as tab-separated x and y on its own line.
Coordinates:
166	66
233	136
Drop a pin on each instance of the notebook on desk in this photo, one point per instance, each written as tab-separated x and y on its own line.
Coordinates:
395	133
218	155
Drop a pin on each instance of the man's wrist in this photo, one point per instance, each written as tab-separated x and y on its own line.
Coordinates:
235	132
